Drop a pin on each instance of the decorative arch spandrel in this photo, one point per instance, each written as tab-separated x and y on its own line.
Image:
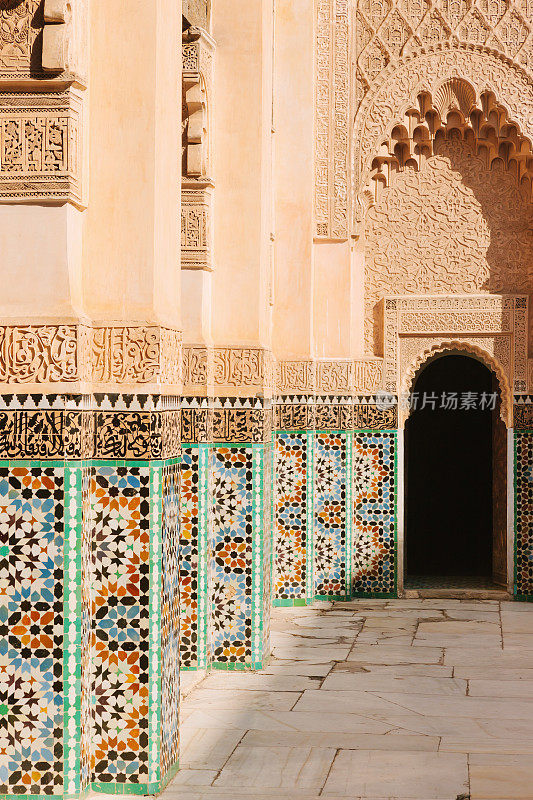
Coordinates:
412	371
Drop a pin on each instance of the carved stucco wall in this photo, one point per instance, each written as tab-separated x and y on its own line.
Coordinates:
197	12
453	227
387	31
462	223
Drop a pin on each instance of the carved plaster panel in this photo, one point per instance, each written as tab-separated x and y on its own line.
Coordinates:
43	38
386	31
196	233
245	367
103	356
332	118
333	377
453	227
21	23
501	344
235	371
295	376
41	146
368	376
196	368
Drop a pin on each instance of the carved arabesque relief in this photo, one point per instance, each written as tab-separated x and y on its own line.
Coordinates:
197	182
41	38
332	118
456	226
21	22
451	113
386	31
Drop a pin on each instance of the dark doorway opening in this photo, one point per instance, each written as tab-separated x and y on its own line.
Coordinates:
454	495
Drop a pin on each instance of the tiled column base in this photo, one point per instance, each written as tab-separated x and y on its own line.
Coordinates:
135	641
225	533
335	507
89	609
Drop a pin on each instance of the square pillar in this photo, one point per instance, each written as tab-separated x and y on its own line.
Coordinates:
226	514
89	608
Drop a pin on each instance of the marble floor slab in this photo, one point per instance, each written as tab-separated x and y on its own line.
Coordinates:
370	700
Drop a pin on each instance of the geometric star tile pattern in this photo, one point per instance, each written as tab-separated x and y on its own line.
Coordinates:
120	509
231	554
170	622
374	504
330	537
524	513
31	620
290	511
189	555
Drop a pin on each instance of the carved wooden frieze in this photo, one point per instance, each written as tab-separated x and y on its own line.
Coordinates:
367	416
41	146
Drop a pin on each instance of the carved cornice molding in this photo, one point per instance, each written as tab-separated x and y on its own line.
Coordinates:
100	357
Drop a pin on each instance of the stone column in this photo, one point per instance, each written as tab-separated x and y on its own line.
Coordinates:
228	376
90	378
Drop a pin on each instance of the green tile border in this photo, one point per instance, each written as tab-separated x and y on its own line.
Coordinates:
203	610
349	513
155	659
72	621
258	551
310	518
522	598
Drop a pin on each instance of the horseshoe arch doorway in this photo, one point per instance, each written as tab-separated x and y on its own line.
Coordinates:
455	478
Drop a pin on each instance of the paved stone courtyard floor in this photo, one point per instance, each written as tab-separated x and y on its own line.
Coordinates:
429	699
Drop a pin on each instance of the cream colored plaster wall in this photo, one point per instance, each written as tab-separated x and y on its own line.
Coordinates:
294	179
40	249
131	241
196	293
242	171
332	300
